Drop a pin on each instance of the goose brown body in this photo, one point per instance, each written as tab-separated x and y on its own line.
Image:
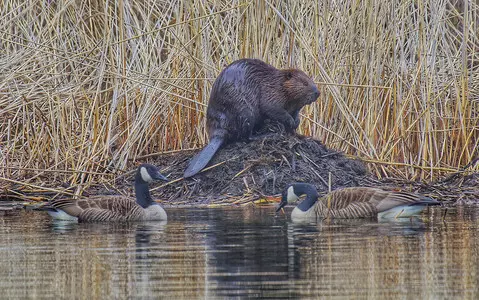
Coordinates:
109	208
114	208
354	202
360	202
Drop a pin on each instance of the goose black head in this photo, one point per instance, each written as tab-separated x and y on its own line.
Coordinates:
294	191
288	196
149	173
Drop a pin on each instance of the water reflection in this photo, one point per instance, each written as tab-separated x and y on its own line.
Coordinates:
144	231
248	253
224	253
63	226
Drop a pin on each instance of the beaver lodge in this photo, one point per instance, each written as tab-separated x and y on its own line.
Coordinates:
258	168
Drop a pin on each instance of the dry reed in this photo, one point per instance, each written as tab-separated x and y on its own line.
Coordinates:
87	86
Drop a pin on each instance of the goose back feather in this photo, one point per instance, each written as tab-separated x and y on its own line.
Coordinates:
109	208
354	202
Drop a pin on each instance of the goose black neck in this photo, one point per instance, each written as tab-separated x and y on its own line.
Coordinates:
142	192
311	195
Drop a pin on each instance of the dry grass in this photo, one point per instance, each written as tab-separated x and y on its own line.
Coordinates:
87	85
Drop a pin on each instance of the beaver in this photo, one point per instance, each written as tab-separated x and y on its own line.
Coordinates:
247	92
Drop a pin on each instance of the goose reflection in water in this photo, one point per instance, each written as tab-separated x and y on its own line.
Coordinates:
370	227
144	232
63	226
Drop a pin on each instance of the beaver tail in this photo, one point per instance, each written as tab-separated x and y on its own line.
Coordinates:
203	158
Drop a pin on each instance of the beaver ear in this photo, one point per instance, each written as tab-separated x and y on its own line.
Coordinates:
288	74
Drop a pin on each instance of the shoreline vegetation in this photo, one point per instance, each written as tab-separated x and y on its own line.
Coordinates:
90	89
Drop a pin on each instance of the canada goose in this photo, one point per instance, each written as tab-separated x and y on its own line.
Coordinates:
114	208
353	202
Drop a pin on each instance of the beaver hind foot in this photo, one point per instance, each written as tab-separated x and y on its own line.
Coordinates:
203	158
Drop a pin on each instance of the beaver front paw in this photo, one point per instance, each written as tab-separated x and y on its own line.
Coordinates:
296	123
291	124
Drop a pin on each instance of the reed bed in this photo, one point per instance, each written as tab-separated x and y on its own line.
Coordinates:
87	87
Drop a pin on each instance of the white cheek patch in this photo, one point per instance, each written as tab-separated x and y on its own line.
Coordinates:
291	197
145	175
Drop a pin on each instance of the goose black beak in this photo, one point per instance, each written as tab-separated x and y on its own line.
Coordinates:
281	205
159	176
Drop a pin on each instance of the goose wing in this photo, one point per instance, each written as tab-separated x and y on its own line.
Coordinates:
97	209
354	202
391	200
367	202
361	202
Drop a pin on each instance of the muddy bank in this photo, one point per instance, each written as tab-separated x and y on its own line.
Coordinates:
242	172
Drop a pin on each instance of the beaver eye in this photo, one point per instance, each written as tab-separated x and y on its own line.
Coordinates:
305	83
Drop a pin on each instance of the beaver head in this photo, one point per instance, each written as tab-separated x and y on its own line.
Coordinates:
299	87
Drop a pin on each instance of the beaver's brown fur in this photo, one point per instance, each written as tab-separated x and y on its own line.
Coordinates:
247	92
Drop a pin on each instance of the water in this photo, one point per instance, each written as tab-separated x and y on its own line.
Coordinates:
241	253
